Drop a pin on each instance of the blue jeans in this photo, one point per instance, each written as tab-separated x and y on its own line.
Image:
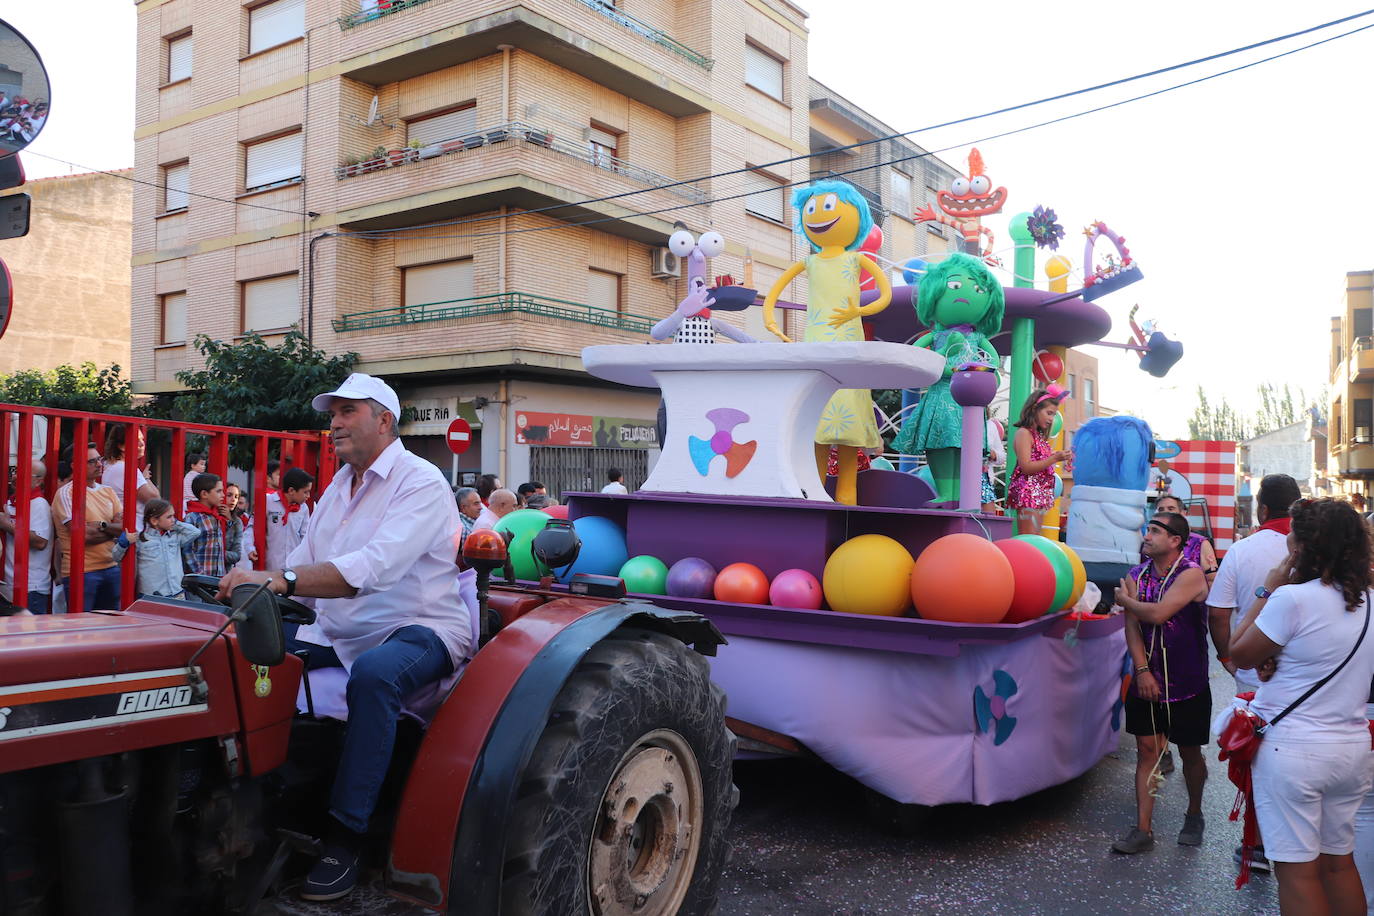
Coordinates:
98	589
380	679
39	603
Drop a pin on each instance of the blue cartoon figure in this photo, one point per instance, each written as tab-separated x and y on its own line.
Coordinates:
1111	469
962	303
835	220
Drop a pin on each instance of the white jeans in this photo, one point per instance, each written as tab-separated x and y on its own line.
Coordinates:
1307	796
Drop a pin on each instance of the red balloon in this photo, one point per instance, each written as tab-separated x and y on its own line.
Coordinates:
1047	367
745	583
1035	582
871	245
557	511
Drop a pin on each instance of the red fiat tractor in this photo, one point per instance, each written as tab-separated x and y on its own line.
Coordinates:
153	761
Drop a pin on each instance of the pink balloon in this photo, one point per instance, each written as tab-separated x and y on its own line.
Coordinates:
796	588
557	511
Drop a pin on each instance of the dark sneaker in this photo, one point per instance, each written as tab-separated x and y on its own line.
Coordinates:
1191	834
333	876
1258	861
1135	841
1166	763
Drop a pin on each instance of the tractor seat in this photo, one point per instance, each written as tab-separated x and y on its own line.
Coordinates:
329	686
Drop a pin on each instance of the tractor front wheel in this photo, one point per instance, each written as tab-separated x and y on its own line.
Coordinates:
624	808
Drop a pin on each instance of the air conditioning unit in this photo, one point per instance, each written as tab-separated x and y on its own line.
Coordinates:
665	264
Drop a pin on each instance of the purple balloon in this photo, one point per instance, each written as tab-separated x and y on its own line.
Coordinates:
691	577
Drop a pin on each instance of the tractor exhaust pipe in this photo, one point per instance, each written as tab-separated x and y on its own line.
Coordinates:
94	828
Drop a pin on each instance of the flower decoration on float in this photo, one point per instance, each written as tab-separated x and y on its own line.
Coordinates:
1044	228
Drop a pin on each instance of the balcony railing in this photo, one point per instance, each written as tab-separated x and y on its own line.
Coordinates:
657	36
517	132
376	10
496	304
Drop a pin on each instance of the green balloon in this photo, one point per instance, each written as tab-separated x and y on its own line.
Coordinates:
1059	561
1057	424
646	575
523	525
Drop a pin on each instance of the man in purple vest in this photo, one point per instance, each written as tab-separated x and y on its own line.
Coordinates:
1170	699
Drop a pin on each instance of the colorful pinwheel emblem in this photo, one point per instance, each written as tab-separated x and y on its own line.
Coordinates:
1044	228
990	711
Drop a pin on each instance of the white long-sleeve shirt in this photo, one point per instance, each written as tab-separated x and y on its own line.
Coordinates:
394	541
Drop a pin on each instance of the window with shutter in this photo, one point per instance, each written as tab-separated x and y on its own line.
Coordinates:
176	180
767	199
174	318
275	23
604	146
901	194
178	58
450	125
269	162
603	290
763	71
271	304
442	282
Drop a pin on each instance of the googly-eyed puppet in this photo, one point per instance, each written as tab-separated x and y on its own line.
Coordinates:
691	321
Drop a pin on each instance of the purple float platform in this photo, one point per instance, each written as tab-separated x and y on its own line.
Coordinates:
1059	321
924	711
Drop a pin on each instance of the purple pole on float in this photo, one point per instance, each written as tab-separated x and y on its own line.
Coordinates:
973	388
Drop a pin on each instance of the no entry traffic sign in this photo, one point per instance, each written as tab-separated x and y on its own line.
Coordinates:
459	436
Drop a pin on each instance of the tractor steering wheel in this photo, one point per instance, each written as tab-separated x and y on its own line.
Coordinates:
204	588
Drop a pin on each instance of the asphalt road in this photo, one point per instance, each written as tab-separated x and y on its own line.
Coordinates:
805	845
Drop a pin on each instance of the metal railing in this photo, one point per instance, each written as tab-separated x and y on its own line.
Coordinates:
376	11
495	304
518	131
657	36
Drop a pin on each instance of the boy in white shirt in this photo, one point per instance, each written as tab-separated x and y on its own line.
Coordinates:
287	516
39	589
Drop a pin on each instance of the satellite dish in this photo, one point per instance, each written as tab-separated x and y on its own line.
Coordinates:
372	112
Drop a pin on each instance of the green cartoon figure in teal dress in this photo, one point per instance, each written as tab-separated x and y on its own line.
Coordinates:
962	303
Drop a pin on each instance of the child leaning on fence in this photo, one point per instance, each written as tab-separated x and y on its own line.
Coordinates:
158	549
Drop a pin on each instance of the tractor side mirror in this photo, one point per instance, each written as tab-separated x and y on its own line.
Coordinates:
257	622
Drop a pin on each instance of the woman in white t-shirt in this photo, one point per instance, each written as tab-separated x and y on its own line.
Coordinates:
1315	766
114	473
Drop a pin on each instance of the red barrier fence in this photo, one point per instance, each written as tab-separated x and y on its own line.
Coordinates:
310	450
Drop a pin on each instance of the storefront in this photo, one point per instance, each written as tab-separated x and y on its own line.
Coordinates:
424	427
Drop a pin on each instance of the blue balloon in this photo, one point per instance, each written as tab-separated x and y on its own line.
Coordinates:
1058	486
913	269
603	546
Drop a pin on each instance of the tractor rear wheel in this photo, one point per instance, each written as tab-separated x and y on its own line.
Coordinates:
624	808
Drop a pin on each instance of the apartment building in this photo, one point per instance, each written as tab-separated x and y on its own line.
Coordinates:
71	275
1350	424
366	171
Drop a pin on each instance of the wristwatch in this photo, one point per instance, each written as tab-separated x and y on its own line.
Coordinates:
1262	592
289	577
103	526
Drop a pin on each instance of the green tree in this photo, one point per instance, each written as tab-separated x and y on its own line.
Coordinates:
82	387
253	385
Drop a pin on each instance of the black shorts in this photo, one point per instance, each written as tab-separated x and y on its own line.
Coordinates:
1188	723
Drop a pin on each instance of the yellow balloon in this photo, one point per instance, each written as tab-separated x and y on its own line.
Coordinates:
869	574
1080	575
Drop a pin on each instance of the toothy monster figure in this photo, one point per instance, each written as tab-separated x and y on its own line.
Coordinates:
691	321
1111	471
962	303
966	202
834	219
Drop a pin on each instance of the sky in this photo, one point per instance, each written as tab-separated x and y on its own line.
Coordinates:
1245	199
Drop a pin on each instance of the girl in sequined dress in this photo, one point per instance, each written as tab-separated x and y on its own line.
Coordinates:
1032	482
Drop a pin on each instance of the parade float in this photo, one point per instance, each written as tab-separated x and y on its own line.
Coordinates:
899	634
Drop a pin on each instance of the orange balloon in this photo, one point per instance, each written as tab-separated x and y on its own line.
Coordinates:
1035	582
742	583
962	578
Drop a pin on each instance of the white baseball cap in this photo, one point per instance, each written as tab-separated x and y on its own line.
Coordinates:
360	387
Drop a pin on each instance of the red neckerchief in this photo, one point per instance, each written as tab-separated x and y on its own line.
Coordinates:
196	505
271	491
290	507
1281	525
